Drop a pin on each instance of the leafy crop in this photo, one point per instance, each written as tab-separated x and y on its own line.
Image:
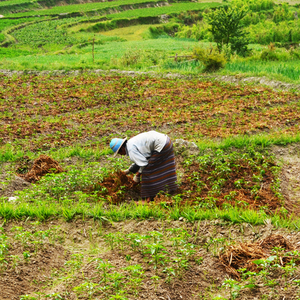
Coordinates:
39	34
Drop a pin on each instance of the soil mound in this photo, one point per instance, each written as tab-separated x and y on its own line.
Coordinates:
117	187
43	165
242	256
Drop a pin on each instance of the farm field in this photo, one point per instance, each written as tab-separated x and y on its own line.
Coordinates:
75	75
82	233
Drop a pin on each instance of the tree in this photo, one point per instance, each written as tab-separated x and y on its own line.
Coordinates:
226	28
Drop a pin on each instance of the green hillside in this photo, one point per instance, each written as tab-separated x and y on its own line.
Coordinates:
73	32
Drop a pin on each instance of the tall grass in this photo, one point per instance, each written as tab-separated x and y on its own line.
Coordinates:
289	70
234	215
244	141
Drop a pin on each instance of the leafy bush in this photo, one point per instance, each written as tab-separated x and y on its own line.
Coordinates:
273	54
295	53
139	59
198	31
282	13
255	5
227	29
211	58
269	32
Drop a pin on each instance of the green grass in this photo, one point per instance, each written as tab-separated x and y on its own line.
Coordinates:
130	33
11	153
15	2
82	58
7	23
86	7
240	142
286	71
131	211
156	11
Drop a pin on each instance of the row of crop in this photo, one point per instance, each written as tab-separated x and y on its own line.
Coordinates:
16	8
40	33
61	95
8	23
8	38
24	6
109	25
174	8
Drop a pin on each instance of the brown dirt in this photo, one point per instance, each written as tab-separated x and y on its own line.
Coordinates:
289	158
44	273
29	276
43	165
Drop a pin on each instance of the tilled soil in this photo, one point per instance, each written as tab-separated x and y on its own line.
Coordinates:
26	277
203	281
48	269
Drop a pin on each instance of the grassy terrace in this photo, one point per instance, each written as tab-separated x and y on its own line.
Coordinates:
156	11
13	2
94	6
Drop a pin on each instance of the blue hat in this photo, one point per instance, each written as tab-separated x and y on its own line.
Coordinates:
116	144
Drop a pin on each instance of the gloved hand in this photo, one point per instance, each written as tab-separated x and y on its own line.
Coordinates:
126	171
137	178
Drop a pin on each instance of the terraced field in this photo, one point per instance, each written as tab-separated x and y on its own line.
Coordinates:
74	36
74	226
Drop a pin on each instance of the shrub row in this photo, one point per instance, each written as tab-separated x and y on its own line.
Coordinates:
109	25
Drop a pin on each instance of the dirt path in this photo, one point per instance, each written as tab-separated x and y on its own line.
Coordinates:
278	85
289	157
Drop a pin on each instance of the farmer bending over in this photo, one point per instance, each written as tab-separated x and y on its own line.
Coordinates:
153	157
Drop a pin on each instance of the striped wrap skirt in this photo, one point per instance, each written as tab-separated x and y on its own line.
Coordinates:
160	173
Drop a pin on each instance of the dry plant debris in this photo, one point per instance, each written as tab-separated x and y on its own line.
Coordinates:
241	256
43	165
117	187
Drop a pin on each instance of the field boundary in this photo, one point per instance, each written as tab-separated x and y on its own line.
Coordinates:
276	85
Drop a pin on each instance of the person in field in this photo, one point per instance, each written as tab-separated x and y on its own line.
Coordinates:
153	160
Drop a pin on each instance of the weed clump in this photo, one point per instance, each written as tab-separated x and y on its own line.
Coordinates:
212	59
